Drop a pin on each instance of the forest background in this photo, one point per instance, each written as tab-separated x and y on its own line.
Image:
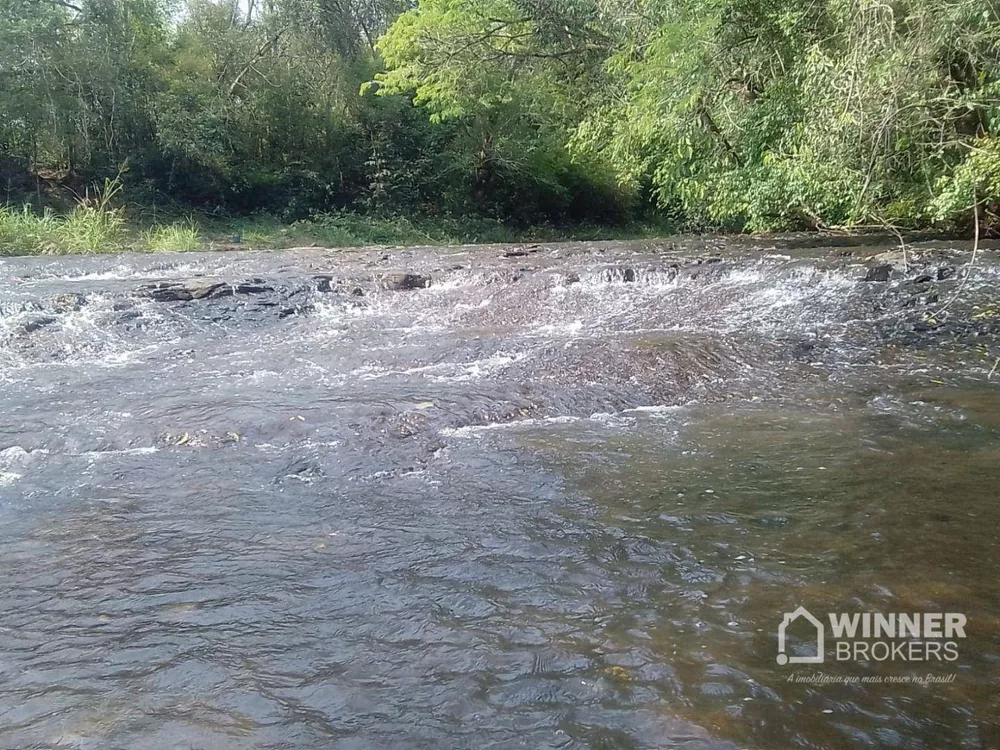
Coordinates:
166	123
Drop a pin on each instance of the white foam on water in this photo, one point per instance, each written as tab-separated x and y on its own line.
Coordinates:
451	371
122	272
659	409
13	461
389	474
480	367
612	419
475	430
656	278
770	302
570	328
607	419
141	451
15	455
419	328
915	411
457	280
467	306
90	335
271	447
8	478
334	318
325	310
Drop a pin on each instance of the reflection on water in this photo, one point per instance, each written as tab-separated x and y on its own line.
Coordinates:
560	506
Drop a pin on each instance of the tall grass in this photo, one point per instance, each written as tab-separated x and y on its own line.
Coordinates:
164	238
24	232
93	226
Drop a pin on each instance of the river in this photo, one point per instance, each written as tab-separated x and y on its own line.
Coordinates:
501	496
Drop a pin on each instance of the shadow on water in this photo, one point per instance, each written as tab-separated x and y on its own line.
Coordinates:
454	498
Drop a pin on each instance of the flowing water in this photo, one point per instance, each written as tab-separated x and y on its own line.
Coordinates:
550	496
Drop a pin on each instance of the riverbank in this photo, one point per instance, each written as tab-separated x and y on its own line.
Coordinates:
96	229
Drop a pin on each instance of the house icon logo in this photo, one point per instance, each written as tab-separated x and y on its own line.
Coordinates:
790	617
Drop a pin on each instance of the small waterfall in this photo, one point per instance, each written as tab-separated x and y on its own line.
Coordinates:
633	275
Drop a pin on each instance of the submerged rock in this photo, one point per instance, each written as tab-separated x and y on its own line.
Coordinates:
520	252
879	273
324	283
945	272
184	291
302	469
253	286
35	322
198	289
401	282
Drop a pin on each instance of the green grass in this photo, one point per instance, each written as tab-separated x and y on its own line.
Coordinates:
22	232
179	237
89	230
83	230
95	226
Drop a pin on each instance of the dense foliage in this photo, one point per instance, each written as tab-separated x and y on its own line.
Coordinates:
743	114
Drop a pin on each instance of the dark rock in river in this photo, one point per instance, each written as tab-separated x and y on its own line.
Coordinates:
879	273
253	286
803	349
37	321
401	282
198	289
520	252
946	272
184	291
303	469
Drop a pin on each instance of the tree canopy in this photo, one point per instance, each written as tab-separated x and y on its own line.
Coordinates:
739	114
